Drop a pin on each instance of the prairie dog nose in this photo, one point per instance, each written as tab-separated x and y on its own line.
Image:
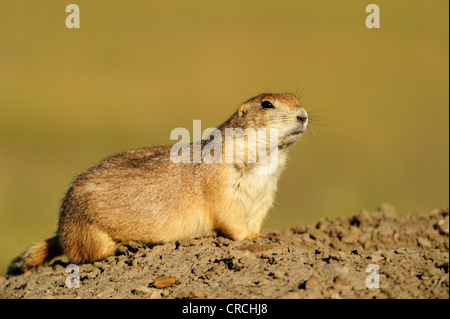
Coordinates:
302	117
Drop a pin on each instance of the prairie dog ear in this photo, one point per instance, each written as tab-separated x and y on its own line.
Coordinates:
244	108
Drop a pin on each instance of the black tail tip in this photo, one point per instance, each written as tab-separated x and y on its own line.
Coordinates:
15	268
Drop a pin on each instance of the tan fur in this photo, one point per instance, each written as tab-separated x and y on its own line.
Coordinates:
35	255
142	196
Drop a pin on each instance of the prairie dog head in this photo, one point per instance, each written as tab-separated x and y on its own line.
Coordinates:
275	111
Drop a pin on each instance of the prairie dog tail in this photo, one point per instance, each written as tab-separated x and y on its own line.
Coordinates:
34	256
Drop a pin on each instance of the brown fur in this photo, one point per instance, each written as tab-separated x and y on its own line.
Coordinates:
35	255
141	196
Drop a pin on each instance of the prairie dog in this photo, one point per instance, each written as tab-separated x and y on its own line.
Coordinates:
142	196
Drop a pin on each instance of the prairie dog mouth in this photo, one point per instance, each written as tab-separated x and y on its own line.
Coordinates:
296	132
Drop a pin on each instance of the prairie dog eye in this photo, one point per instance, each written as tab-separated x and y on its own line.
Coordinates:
267	105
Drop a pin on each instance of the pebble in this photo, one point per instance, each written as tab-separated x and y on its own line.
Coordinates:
299	229
164	282
336	296
185	242
317	235
312	282
443	226
155	295
423	242
142	290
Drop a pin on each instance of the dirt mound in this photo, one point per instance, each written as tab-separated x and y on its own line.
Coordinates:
406	256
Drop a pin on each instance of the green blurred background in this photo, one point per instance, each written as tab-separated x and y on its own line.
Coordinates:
137	69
